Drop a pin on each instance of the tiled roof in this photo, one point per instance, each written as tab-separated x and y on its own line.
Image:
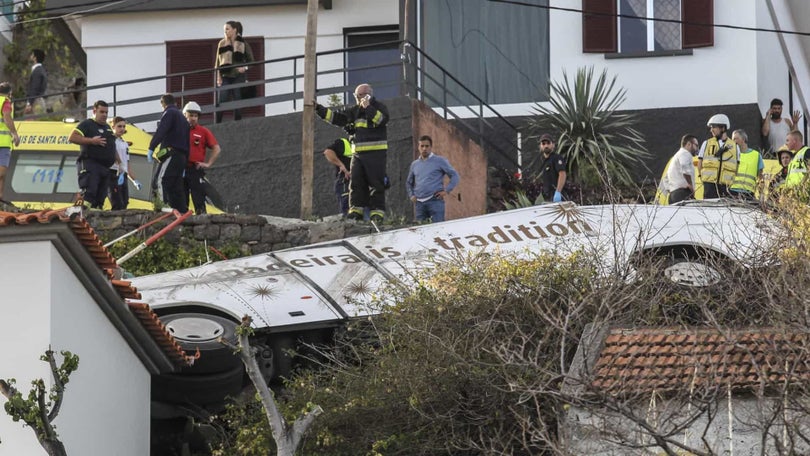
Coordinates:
87	237
669	359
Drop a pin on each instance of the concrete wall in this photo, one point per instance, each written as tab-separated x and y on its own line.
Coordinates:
259	171
662	130
106	409
106	403
25	281
589	433
467	157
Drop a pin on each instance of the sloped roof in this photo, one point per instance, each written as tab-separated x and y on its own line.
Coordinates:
106	263
669	359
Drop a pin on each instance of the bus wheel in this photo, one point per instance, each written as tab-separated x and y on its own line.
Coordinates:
201	331
683	271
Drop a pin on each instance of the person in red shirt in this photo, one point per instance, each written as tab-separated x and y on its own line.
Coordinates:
200	140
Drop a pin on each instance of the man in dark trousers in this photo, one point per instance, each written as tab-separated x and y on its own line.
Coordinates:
339	153
367	121
553	172
172	135
37	84
97	153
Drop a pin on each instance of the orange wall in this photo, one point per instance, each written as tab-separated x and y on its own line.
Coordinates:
470	196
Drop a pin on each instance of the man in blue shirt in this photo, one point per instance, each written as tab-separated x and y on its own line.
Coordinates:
425	182
172	136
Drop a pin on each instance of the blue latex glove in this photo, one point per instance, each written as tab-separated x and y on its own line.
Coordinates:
121	179
557	197
137	184
150	156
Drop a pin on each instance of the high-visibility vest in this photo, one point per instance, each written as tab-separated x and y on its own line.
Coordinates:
747	170
347	147
716	161
796	169
5	133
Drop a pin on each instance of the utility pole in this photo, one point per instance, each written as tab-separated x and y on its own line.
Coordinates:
308	124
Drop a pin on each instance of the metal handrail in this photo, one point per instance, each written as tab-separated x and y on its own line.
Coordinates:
448	104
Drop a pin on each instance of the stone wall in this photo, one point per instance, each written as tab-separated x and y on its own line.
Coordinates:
254	233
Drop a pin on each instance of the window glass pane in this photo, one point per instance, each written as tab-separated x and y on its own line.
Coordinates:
43	173
499	52
633	37
667	34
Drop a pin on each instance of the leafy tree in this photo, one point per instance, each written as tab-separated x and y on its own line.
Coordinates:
599	142
34	30
165	255
40	407
472	358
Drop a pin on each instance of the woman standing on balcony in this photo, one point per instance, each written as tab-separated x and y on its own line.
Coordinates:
233	53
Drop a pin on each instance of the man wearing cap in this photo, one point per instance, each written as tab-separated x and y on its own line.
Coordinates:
200	141
552	172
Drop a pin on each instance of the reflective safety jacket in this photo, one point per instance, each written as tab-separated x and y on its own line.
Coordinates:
797	168
369	124
5	133
747	170
716	161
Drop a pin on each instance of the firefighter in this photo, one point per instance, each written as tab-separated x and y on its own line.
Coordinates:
717	159
367	120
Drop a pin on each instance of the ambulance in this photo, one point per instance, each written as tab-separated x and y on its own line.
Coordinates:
304	294
42	173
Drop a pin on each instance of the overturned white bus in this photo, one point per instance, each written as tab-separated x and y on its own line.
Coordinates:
304	293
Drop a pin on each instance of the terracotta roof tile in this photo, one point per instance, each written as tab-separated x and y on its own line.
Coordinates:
667	359
157	329
88	238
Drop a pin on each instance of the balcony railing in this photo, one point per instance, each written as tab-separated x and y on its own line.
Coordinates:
137	99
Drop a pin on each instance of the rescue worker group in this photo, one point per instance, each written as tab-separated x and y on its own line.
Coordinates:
184	149
729	167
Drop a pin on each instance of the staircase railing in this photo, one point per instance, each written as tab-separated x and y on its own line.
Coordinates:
282	92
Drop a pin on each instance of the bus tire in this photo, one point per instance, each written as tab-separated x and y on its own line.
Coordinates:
193	331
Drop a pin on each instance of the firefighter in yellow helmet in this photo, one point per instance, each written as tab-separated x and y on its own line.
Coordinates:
717	159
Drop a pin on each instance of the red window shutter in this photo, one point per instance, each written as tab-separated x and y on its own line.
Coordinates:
599	26
191	55
695	12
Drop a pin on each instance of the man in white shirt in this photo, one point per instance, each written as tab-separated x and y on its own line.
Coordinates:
776	128
681	171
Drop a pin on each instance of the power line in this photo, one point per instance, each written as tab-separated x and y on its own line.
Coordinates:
58	8
656	19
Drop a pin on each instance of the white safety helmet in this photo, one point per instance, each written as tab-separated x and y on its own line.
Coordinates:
719	119
192	106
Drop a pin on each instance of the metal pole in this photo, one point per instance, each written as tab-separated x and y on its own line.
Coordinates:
308	124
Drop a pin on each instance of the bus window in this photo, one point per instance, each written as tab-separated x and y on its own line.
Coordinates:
43	173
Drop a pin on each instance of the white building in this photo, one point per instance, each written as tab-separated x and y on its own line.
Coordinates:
652	59
57	294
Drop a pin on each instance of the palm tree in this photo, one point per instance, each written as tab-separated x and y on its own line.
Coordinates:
598	141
